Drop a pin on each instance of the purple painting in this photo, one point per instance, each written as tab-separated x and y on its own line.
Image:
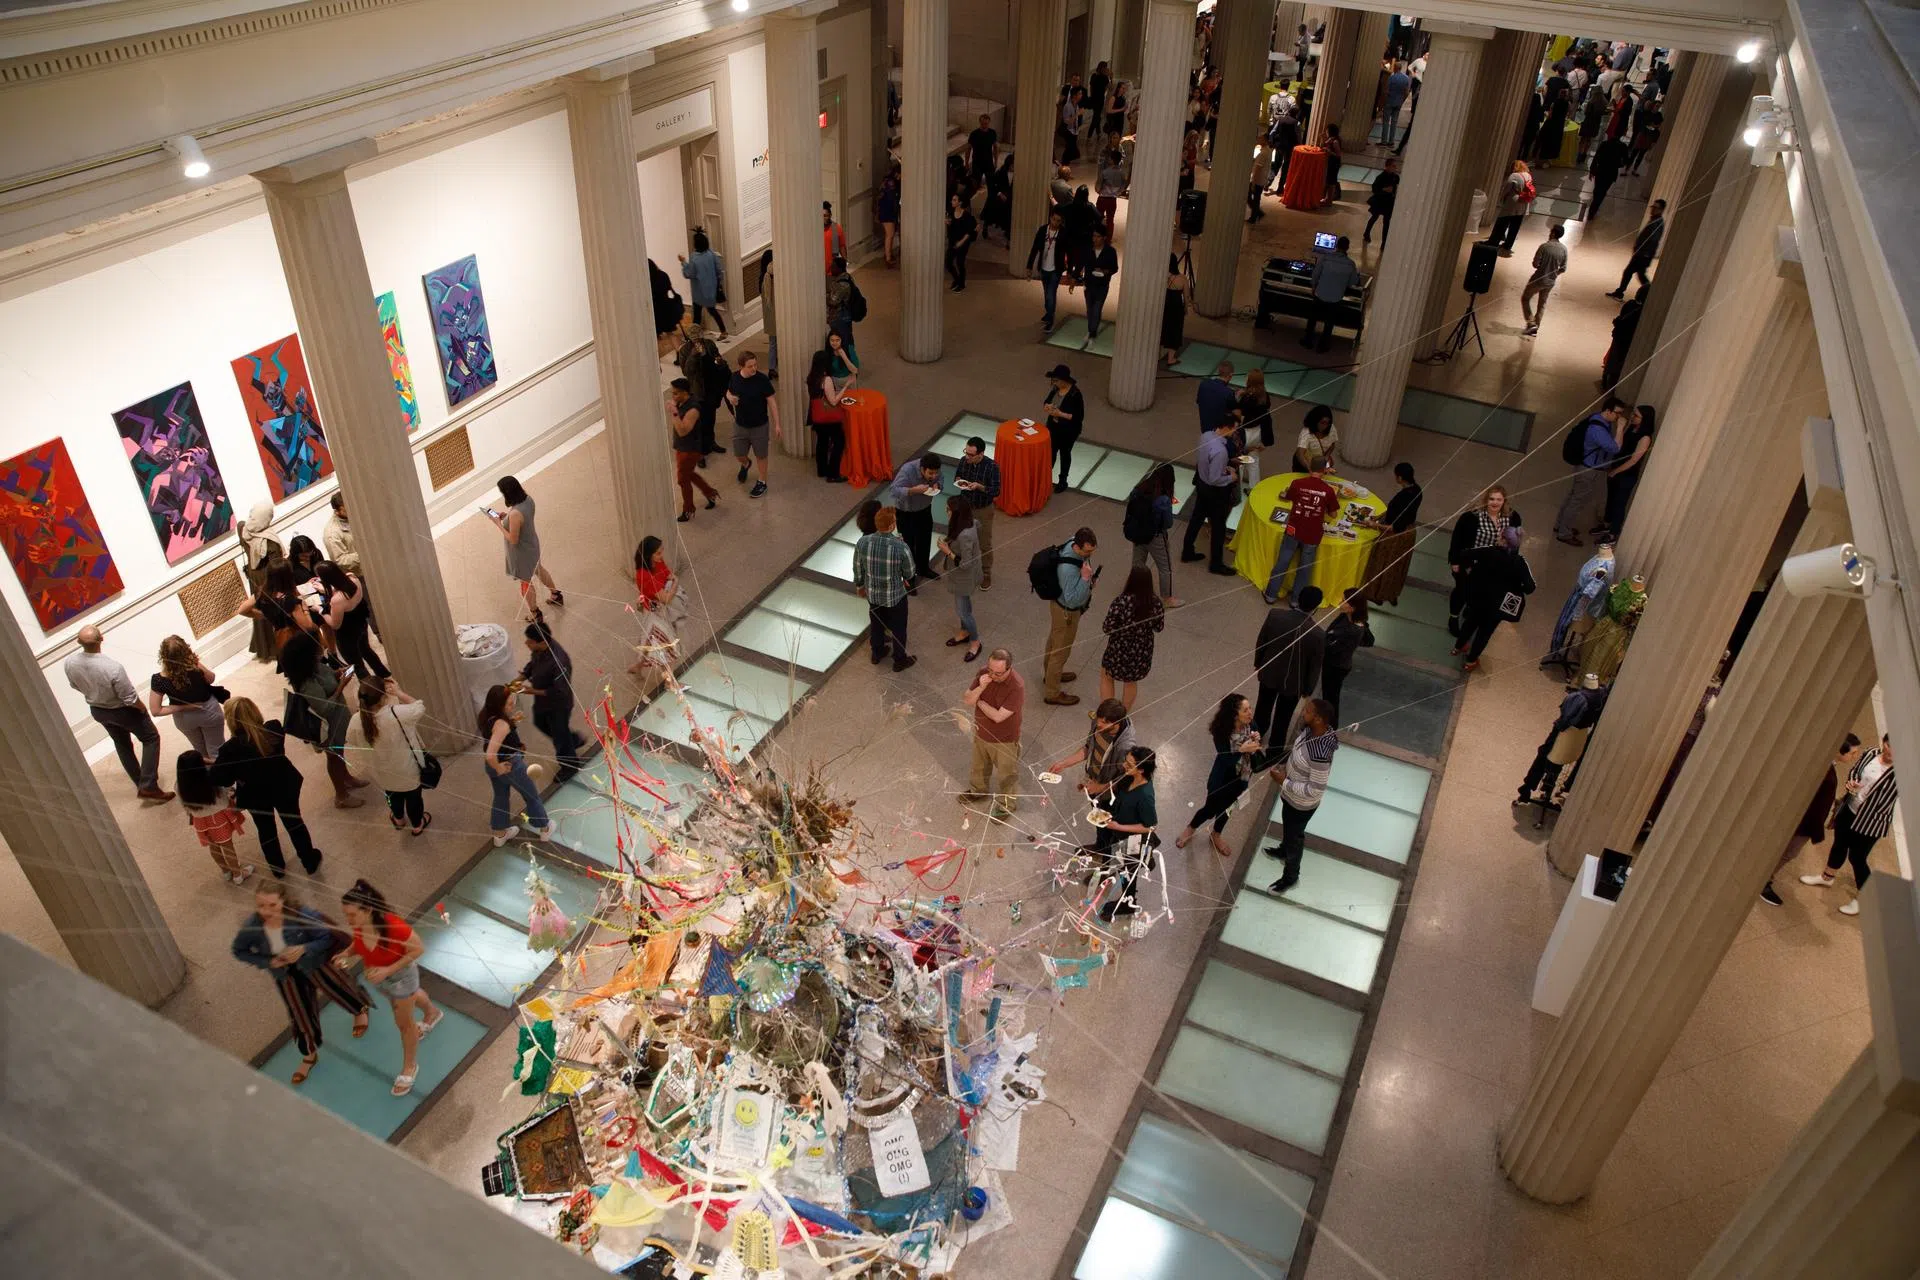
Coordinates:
459	313
166	443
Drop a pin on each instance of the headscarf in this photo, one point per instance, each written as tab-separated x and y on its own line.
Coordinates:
254	537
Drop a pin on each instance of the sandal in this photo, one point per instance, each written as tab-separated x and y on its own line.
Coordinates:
360	1025
305	1069
397	822
426	820
1185	839
434	1021
403	1083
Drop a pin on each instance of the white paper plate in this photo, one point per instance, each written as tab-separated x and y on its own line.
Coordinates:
1099	817
1050	778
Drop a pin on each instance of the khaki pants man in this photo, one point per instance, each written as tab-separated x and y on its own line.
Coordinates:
1064	627
995	769
983	521
1533	302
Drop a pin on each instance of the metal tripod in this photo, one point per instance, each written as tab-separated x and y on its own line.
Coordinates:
1469	324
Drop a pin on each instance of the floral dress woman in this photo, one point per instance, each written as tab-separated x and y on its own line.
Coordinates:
1132	620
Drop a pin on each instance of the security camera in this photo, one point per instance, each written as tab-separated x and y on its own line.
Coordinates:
1840	571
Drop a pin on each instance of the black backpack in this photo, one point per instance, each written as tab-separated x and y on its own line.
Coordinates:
1139	524
1573	450
1043	572
856	303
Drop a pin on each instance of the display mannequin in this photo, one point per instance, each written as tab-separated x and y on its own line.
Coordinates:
1583	607
1606	645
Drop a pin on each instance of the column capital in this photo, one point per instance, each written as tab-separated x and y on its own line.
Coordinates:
1442	30
331	163
609	73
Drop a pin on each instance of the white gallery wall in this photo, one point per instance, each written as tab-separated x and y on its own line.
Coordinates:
663	212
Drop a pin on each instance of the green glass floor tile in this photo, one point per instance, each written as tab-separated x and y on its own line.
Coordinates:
354	1078
848	533
1069	333
1360	173
584	821
1086	457
499	883
1191	1175
1300	939
1199	359
1130	1243
1278	368
1273	1016
975	424
486	957
1102	343
767	695
1323	386
1116	475
833	559
1277	1098
1339	889
1417	604
1415	639
1360	823
664	718
1430	558
1242	362
1396	703
840	611
1381	779
1419	407
954	443
787	639
1183	478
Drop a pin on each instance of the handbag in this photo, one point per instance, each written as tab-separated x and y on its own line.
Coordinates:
426	761
299	720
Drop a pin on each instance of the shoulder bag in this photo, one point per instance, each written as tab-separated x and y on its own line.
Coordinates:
426	761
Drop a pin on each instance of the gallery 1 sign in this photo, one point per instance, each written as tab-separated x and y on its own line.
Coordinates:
666	123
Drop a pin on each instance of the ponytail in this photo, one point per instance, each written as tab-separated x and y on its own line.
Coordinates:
365	895
372	694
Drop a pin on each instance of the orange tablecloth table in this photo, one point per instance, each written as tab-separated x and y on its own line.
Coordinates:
1306	179
869	458
1026	467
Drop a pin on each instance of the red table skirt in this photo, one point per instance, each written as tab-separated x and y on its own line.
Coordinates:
869	457
1306	179
1026	468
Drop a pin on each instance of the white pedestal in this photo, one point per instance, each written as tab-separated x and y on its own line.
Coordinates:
486	657
1575	935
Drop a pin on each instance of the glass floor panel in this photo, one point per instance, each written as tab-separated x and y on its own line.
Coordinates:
975	424
1183	477
1277	1098
1070	333
1281	384
839	610
787	639
1381	779
1242	361
354	1078
1418	605
848	533
1300	939
1335	887
664	718
676	777
1199	359
1430	558
764	694
1364	824
1415	639
1116	475
1192	1175
1397	703
486	957
1129	1243
499	883
1086	457
833	559
1270	1015
584	821
954	443
1323	386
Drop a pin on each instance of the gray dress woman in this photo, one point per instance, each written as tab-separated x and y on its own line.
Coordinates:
523	557
963	579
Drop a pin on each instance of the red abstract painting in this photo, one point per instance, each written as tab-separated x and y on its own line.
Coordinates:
52	539
279	399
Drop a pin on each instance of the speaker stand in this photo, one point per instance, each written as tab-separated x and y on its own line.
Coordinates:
1468	326
1186	262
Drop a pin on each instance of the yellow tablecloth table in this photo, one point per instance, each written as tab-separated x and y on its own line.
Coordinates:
1569	156
1342	561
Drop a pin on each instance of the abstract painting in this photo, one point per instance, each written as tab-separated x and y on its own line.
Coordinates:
166	442
51	536
459	313
279	400
389	311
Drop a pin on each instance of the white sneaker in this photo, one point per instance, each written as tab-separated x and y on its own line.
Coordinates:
505	836
1818	882
1852	908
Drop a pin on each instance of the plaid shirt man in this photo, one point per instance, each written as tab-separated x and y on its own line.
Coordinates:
985	473
882	565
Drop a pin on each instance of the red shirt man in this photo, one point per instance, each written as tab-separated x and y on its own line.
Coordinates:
1312	499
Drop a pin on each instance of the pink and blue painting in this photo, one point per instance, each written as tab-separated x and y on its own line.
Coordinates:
166	443
459	313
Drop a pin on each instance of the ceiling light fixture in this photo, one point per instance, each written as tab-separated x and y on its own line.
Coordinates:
193	161
741	6
1748	52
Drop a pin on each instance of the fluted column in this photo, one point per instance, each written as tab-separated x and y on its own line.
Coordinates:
1703	199
793	146
1102	18
1396	316
606	183
1128	25
1363	82
1241	31
1331	77
1036	92
923	179
1506	67
1841	1203
68	843
1797	688
1696	87
1504	131
1156	175
326	271
1747	480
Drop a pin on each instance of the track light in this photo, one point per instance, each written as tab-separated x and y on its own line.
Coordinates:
1748	52
741	6
193	161
1769	130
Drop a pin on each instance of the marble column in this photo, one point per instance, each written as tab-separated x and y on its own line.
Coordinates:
1102	19
68	843
1129	22
1363	84
1696	87
1156	176
1504	132
326	271
620	298
1506	71
1841	1202
1797	688
793	148
1703	202
1330	79
1241	31
1730	519
1043	49
923	180
1396	316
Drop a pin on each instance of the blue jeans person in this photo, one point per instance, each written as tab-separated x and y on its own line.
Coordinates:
1049	290
963	610
505	784
1289	547
1096	303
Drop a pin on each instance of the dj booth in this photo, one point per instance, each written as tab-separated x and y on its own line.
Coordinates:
1286	289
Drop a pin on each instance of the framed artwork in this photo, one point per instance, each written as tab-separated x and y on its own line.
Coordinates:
166	443
389	312
51	537
459	313
279	400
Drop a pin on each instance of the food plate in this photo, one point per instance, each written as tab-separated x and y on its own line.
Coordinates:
848	400
1049	777
1099	817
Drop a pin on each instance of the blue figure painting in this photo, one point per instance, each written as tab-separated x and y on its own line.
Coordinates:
279	400
459	313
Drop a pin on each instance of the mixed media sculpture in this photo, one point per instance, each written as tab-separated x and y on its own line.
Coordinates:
166	443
